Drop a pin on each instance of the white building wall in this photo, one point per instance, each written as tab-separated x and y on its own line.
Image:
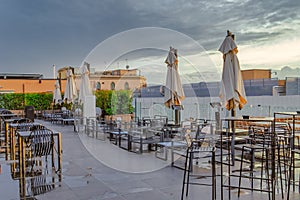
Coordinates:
198	107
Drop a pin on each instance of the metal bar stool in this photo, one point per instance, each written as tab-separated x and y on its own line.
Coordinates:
258	142
291	179
196	147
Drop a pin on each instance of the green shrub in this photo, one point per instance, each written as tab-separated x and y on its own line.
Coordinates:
114	102
17	101
12	101
111	102
39	101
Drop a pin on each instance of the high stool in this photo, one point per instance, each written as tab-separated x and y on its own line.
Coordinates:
283	155
292	171
195	147
258	143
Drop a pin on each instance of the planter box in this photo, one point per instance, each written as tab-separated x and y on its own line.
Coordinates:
124	117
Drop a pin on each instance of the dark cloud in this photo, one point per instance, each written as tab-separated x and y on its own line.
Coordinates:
36	34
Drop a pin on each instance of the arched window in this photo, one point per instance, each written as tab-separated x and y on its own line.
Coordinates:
98	86
126	86
112	86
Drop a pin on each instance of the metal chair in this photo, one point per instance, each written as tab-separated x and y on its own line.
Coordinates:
292	168
36	185
2	128
258	142
141	136
39	146
203	147
24	124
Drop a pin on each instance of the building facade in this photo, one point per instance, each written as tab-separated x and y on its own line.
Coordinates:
108	80
251	74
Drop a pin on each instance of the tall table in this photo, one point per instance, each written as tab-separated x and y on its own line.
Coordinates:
231	124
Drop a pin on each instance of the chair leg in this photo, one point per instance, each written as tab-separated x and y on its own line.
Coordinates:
252	167
189	171
290	172
213	164
262	167
267	172
280	171
241	168
184	174
285	155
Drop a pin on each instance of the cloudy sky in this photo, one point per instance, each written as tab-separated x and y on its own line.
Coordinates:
37	34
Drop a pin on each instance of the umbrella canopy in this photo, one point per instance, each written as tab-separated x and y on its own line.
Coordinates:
70	91
173	94
232	92
85	88
57	94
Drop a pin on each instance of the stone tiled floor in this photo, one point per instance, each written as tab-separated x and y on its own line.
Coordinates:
86	178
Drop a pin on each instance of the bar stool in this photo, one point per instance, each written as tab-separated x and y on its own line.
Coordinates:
195	147
292	167
261	143
284	140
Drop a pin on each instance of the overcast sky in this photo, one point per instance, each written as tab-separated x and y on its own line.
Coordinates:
37	34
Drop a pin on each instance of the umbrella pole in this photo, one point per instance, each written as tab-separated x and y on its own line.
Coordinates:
177	117
233	135
233	112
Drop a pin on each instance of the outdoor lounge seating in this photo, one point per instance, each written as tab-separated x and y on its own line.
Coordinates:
200	170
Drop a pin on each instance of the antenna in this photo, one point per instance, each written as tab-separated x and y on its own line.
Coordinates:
54	71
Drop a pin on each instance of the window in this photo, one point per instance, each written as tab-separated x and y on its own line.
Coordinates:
98	86
112	86
126	86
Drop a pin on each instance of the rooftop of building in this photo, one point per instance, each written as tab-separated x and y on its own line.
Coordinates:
20	76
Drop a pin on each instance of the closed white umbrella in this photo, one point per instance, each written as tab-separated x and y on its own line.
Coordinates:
232	92
85	88
173	93
70	91
57	94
